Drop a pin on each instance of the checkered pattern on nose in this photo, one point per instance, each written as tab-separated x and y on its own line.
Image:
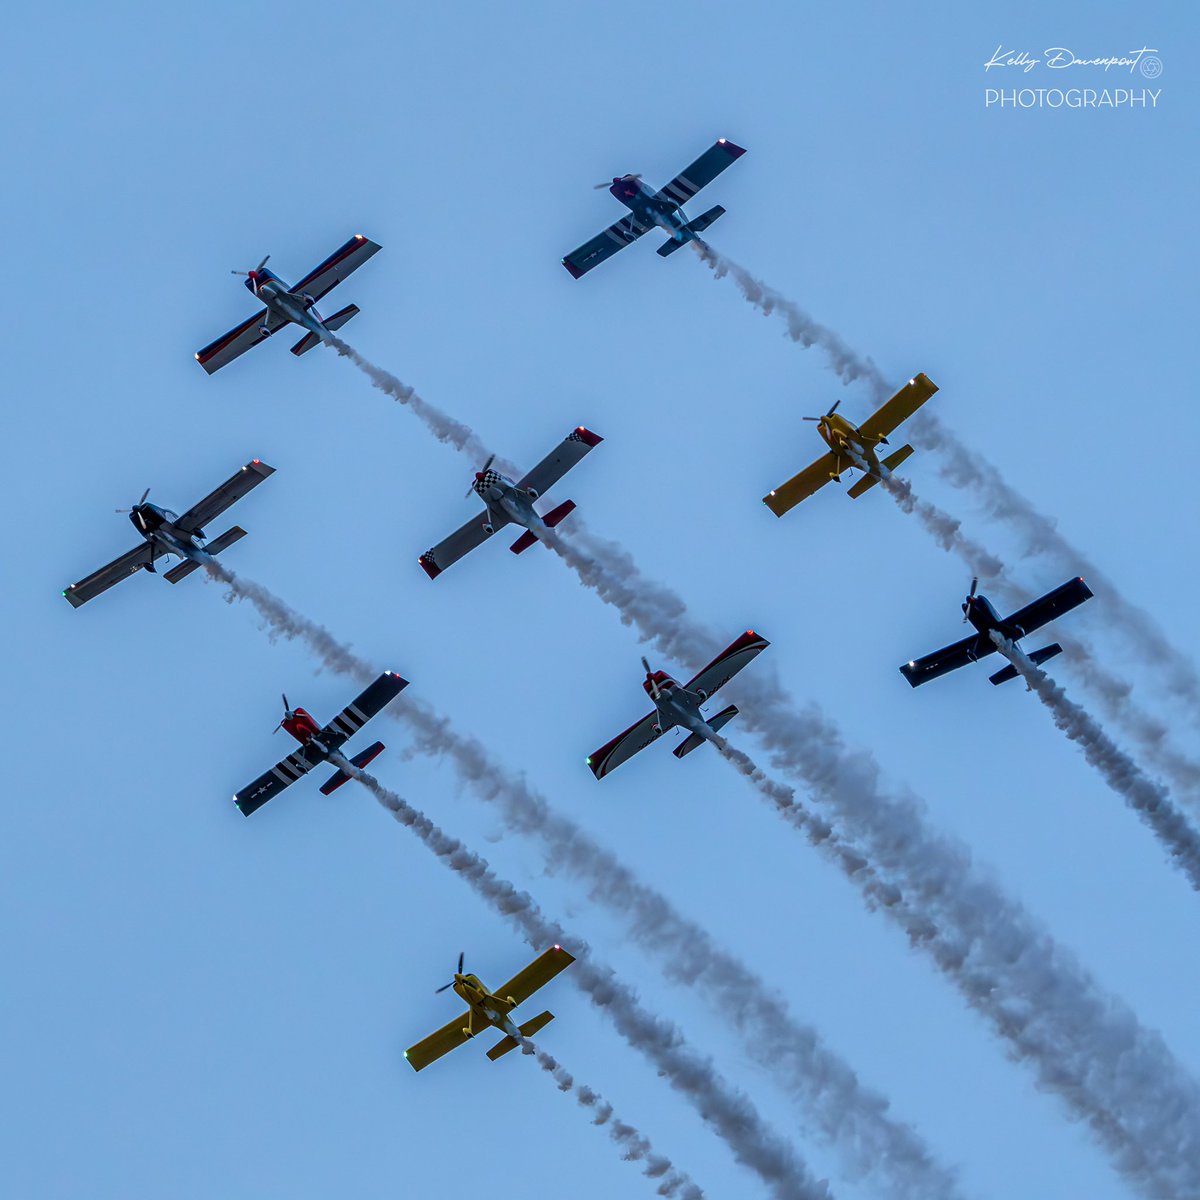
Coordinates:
488	478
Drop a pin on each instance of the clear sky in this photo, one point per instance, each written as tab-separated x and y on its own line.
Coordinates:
194	1003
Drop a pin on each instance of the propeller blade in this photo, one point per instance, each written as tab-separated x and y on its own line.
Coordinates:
834	408
461	955
974	585
439	991
812	418
263	263
599	186
144	495
286	706
239	272
646	665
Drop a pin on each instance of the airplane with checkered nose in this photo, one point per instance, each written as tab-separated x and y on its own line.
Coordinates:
678	706
512	503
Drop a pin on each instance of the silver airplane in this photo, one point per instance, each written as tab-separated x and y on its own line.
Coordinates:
290	305
511	503
678	706
166	533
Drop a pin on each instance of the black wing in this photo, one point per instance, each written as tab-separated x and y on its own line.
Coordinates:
282	775
703	171
1053	604
604	245
101	580
949	658
360	710
231	491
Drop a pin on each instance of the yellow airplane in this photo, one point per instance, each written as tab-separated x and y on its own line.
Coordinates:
486	1009
852	446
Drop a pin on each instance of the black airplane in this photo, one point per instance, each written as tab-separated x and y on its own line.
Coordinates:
994	633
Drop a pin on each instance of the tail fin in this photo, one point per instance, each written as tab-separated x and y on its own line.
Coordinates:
690	230
505	1044
360	760
309	340
869	481
1037	658
695	740
551	519
185	568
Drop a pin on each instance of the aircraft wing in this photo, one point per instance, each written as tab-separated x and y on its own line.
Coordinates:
1053	604
787	495
360	710
101	580
460	543
237	341
539	973
728	663
703	171
949	658
231	491
430	1049
625	745
900	407
604	245
282	775
560	460
338	266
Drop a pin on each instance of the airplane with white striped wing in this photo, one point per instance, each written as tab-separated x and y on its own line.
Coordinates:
322	744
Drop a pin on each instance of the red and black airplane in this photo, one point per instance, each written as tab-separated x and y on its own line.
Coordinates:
319	745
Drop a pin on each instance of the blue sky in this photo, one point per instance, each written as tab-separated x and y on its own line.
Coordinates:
194	1001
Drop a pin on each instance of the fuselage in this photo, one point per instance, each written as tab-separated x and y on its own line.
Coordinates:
283	302
846	439
300	724
157	526
485	1007
649	206
675	704
502	496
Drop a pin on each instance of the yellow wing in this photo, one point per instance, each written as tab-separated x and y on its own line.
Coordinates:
539	973
899	408
787	495
448	1038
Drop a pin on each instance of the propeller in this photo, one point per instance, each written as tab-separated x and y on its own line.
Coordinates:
287	714
970	597
480	474
137	505
256	269
655	690
619	179
461	956
828	414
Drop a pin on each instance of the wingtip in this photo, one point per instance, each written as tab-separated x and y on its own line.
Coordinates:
428	565
576	273
586	436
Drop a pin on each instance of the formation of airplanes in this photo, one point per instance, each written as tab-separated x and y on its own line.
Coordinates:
514	502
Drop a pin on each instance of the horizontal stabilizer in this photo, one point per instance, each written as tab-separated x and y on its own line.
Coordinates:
306	343
869	481
1037	658
504	1045
225	540
689	231
185	568
360	760
695	740
555	516
523	543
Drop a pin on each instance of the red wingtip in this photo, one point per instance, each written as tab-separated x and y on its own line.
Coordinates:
586	436
429	566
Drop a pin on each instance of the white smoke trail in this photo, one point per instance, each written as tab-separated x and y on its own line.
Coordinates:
729	1112
1150	801
1114	695
1085	1045
443	426
802	328
634	1146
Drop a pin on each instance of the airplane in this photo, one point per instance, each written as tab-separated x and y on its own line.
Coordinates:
675	705
166	532
664	209
290	306
492	1009
994	633
318	745
853	446
507	502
